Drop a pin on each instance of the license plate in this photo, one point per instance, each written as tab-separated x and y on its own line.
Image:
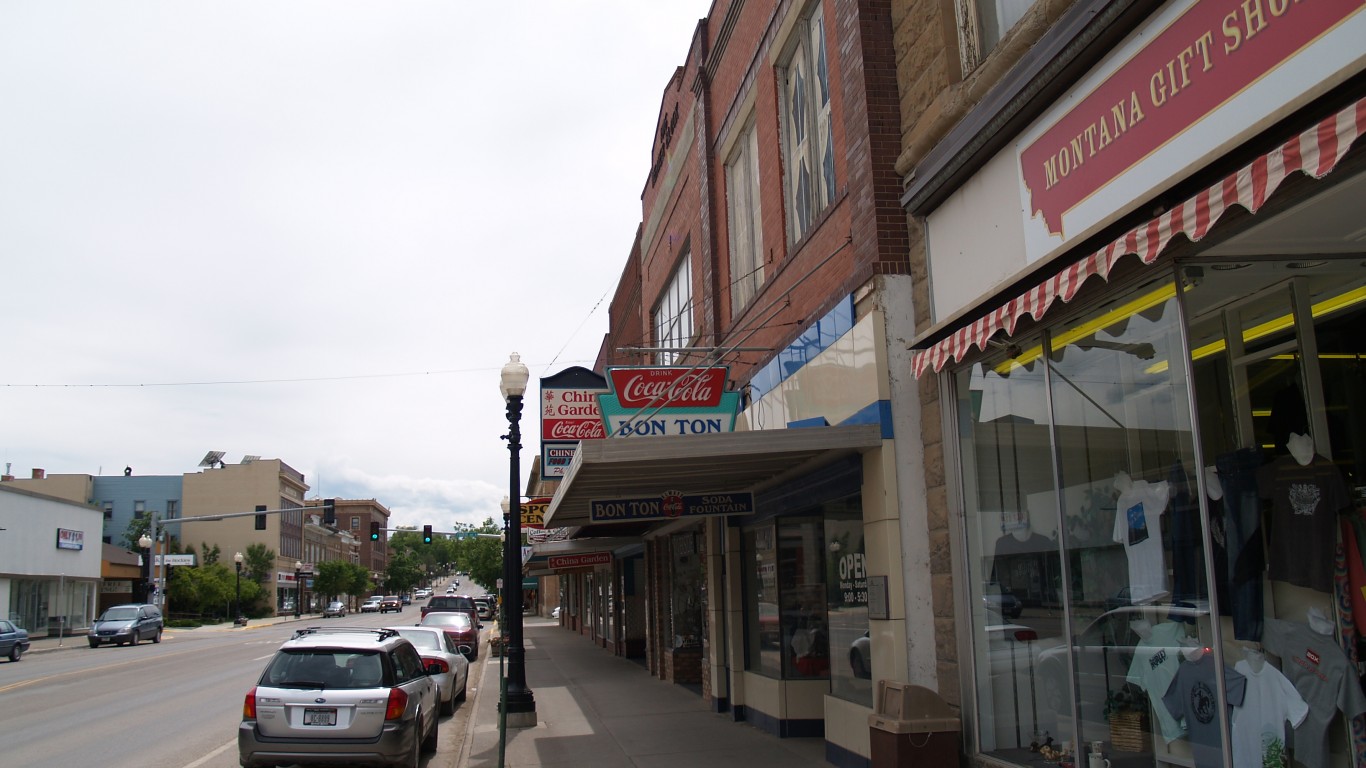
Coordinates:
320	717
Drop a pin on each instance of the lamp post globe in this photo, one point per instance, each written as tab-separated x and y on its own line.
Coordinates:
145	542
298	588
519	704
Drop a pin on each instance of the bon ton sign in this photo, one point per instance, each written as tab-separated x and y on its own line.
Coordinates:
669	400
1205	75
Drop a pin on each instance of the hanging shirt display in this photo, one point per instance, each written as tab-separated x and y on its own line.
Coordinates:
1305	502
1156	660
1137	527
1192	697
1259	723
1324	678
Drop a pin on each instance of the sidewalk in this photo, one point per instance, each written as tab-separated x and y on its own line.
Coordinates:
593	708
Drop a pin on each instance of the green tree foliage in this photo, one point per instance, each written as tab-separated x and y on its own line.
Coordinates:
210	590
258	563
209	556
403	574
136	528
480	557
358	582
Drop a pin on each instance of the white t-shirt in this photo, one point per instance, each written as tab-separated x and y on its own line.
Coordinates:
1138	527
1269	702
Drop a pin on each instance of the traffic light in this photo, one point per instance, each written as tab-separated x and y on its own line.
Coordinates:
426	534
260	519
374	531
329	512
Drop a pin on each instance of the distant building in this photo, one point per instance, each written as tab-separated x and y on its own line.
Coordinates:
49	560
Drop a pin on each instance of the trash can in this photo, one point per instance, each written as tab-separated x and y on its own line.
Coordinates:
912	727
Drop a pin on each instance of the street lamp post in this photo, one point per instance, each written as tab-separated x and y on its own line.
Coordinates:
237	616
298	588
145	542
519	705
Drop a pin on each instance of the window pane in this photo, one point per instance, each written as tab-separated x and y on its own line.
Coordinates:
801	600
764	636
1011	518
851	669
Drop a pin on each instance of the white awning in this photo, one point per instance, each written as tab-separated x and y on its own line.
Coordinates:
692	464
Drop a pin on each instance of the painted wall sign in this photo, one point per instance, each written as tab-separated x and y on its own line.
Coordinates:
69	539
560	562
533	512
1208	55
669	506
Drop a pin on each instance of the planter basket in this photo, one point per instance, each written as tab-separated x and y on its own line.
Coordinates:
1127	731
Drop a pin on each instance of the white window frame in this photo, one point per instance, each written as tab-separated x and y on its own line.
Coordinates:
672	315
744	213
981	26
808	136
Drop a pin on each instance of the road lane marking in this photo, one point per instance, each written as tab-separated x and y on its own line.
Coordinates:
211	755
88	670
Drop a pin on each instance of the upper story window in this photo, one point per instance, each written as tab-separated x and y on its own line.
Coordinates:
139	509
808	136
672	316
171	505
746	220
982	24
108	510
355	523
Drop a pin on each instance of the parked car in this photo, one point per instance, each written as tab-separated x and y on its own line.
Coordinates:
405	598
435	646
390	603
14	641
341	694
371	605
461	628
129	624
447	603
1001	601
335	608
485	607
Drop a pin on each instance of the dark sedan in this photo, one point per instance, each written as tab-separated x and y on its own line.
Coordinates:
13	640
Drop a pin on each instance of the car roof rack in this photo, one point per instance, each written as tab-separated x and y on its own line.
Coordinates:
383	632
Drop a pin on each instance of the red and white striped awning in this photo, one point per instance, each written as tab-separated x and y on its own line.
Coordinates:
1315	152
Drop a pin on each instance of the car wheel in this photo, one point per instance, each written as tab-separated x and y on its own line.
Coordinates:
448	706
133	638
464	689
856	665
429	743
94	643
414	757
157	637
16	652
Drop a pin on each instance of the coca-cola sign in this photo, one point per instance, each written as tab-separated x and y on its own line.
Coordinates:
673	387
571	414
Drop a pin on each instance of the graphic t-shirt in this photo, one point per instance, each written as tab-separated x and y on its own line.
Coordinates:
1138	528
1305	502
1156	660
1192	697
1325	678
1270	701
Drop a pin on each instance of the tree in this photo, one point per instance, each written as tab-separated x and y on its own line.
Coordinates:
482	558
403	574
209	556
258	563
332	578
136	528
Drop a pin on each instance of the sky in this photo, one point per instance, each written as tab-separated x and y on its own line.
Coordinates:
314	231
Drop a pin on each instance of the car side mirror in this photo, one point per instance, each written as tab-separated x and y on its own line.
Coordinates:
465	649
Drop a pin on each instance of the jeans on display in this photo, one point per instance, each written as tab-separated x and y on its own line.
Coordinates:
1243	528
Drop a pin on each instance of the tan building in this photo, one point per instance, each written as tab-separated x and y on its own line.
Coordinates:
261	484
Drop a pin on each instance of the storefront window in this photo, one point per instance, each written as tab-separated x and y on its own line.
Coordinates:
846	579
1093	613
686	585
763	633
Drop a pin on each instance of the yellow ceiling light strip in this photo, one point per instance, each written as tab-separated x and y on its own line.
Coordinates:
1325	307
1122	312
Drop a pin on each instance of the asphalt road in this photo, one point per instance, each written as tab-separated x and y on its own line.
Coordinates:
176	704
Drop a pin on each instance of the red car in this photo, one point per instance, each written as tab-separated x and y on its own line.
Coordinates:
459	627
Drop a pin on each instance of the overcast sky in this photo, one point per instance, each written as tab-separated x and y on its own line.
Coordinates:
313	231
